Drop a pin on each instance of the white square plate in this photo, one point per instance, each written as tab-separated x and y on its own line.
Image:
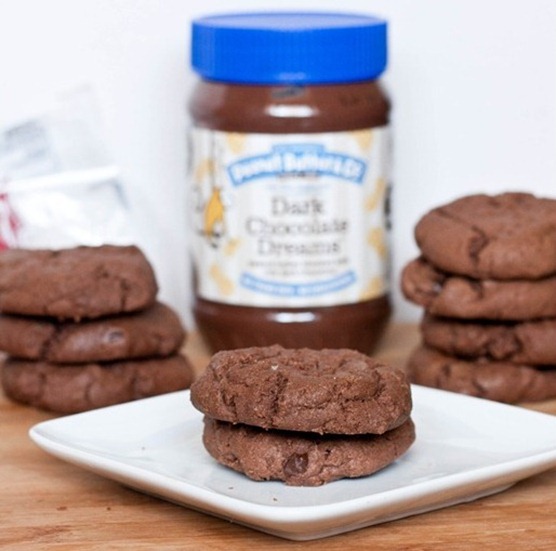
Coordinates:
466	448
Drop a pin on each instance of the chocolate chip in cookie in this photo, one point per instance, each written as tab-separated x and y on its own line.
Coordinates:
303	459
154	332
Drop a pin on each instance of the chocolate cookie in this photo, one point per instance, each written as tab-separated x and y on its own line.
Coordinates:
532	342
460	297
156	331
83	282
324	391
507	236
303	459
75	388
499	381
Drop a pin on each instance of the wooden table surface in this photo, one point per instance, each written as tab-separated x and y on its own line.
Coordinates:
49	504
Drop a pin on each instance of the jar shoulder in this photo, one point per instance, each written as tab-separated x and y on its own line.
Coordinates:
288	109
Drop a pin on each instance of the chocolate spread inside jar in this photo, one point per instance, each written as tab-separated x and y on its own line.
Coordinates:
289	180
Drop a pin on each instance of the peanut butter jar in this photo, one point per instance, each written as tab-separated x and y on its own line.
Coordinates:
288	180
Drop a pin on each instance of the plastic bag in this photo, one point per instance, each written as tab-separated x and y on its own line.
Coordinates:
58	187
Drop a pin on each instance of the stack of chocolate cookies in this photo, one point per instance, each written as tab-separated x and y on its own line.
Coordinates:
81	328
487	281
304	417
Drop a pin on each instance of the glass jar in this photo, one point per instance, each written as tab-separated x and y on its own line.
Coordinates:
289	180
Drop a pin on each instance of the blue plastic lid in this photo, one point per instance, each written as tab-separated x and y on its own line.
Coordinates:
289	47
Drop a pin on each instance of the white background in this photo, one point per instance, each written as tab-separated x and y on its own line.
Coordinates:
473	84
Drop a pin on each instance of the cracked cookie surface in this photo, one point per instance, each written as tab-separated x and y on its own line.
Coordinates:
156	331
461	297
325	391
528	342
506	236
499	381
74	388
303	459
77	283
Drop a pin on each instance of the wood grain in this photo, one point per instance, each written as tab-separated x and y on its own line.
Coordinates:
49	504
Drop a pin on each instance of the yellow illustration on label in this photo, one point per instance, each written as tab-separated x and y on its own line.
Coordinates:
236	142
232	246
377	196
204	169
364	138
214	226
373	289
213	210
376	238
225	285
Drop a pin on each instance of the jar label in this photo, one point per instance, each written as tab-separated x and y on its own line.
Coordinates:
289	220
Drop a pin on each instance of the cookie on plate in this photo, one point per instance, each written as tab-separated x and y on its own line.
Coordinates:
75	388
76	283
155	331
499	381
337	391
303	459
528	342
506	236
448	295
